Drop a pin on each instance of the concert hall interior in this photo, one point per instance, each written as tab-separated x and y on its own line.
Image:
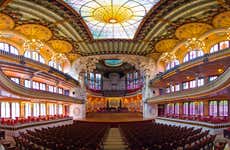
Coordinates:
115	74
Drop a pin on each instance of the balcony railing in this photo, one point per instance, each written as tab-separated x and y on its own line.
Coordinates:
204	58
17	89
23	60
220	83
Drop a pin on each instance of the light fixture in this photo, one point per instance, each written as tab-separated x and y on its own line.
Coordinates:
220	70
33	45
194	43
112	20
228	33
59	58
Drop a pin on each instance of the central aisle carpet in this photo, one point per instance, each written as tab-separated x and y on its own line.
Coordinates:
114	140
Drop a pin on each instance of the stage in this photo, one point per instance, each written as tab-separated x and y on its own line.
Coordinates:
114	117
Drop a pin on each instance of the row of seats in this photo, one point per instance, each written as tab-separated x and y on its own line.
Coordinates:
80	136
22	120
165	137
210	119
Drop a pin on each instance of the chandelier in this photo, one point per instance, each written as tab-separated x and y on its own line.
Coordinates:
194	43
33	45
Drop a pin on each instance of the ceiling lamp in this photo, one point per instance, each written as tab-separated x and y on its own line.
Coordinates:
194	43
59	58
33	45
228	33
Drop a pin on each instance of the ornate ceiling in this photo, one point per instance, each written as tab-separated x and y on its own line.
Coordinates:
164	27
112	19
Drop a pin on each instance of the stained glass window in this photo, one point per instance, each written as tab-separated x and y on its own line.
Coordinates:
220	46
15	110
27	109
42	109
8	48
34	56
16	80
192	108
192	55
35	109
112	18
223	108
177	108
170	108
185	108
5	109
55	65
213	108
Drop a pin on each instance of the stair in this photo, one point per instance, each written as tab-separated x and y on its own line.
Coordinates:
114	140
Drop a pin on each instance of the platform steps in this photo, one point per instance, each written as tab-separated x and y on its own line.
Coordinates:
114	140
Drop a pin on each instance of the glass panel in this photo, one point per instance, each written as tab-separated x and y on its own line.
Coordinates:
192	84
27	83
5	110
213	108
43	109
112	18
177	109
15	110
200	82
185	108
60	109
224	45
35	109
16	80
223	108
27	110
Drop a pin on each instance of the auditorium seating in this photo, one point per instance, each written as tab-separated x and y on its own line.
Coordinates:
210	119
165	137
82	136
22	120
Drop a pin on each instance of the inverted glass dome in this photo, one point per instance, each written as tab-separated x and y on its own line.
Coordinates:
113	62
117	19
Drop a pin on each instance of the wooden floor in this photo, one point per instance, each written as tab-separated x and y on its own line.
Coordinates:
114	117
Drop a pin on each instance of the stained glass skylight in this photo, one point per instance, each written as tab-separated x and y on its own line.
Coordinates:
112	19
113	62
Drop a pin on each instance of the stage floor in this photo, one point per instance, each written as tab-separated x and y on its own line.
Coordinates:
114	117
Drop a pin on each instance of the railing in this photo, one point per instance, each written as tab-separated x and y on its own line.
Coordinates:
17	89
22	60
198	59
221	82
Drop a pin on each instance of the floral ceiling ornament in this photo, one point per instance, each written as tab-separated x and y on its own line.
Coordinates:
194	43
142	63
167	57
59	57
33	45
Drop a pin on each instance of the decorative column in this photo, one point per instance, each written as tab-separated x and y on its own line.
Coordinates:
206	108
149	110
180	108
22	82
22	109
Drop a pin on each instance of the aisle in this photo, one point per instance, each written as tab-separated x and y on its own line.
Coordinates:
114	140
